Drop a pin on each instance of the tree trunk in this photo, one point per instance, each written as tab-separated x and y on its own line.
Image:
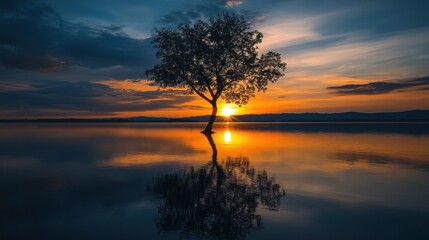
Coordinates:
214	149
208	129
219	171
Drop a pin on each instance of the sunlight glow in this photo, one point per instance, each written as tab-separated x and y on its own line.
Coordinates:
227	111
227	138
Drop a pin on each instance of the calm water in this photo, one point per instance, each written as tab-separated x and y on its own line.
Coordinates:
249	181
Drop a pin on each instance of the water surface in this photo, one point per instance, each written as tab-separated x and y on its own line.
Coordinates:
249	181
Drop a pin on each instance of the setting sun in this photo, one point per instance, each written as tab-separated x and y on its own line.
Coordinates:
227	111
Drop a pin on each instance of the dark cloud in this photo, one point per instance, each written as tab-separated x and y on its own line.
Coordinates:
365	15
32	62
36	38
15	4
381	87
192	13
84	98
160	93
191	107
205	10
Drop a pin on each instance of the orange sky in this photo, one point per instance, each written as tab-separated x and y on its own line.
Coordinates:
366	57
292	93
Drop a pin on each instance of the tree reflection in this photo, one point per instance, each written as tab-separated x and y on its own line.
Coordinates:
217	200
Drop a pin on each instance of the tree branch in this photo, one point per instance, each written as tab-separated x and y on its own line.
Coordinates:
197	66
199	93
209	88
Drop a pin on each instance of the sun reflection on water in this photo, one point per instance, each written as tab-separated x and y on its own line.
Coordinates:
227	137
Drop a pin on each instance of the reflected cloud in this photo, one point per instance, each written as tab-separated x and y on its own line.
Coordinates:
218	200
378	158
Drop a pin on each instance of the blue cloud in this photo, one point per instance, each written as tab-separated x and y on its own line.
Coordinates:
36	38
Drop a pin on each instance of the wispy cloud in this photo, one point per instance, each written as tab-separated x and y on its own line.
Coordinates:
281	33
231	3
381	87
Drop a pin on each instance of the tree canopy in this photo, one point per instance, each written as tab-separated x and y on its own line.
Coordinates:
215	59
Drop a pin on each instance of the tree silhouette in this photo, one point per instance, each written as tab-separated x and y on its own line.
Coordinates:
215	59
216	201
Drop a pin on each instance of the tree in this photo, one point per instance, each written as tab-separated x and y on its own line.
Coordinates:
215	59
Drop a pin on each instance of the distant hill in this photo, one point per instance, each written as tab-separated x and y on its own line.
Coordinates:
406	116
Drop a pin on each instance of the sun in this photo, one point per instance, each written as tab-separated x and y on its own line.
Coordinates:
227	111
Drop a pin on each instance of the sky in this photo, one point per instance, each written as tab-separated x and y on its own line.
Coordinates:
81	58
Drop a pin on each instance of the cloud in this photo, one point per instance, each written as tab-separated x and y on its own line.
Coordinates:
184	17
84	98
41	63
308	41
379	158
36	38
203	10
231	3
281	32
381	87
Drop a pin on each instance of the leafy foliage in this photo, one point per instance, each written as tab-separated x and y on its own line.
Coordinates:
215	59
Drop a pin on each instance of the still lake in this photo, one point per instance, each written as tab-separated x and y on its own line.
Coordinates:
249	181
